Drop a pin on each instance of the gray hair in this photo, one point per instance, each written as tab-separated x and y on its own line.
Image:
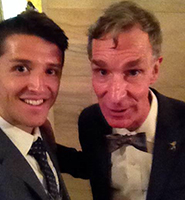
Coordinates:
122	16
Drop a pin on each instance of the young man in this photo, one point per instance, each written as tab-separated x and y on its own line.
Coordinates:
32	50
125	53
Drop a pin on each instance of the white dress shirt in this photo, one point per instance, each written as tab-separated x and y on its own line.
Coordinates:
130	166
23	141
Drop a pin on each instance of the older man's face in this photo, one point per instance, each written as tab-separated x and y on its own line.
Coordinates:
121	77
30	71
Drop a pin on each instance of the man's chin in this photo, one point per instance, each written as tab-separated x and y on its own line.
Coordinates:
118	123
35	124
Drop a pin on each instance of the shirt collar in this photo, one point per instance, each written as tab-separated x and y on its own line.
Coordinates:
21	139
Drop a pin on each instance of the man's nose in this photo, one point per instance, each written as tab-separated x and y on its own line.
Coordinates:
36	83
117	89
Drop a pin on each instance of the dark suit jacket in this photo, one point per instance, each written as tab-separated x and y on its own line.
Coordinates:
167	179
17	179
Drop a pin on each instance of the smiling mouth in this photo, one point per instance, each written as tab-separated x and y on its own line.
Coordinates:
34	102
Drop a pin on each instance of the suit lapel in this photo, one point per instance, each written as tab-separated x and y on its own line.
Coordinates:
13	162
164	154
103	163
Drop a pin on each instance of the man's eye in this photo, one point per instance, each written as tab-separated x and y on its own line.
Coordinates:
103	72
133	72
51	72
21	68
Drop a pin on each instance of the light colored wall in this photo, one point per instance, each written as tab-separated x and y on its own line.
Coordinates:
75	16
1	11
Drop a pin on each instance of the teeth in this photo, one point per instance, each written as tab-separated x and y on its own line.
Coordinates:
34	102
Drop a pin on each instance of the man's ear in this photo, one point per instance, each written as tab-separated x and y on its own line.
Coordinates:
155	70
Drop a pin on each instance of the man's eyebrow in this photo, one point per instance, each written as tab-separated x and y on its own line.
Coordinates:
133	63
57	65
130	64
20	60
99	63
54	63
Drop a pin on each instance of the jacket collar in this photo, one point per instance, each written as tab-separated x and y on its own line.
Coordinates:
164	155
11	160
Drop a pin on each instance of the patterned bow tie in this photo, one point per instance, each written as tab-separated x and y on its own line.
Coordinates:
116	141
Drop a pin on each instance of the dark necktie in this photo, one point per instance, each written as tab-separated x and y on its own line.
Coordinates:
116	141
38	151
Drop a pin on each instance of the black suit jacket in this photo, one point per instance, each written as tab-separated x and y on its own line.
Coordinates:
167	179
17	179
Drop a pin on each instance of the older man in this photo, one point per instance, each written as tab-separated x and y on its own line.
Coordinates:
134	137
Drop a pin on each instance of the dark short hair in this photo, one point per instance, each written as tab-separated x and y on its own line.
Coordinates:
122	16
33	23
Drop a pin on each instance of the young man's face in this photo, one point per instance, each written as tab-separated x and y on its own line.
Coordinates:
121	77
30	71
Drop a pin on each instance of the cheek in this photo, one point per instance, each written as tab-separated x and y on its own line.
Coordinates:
99	88
95	86
140	90
55	91
8	89
53	84
141	97
136	95
8	96
141	87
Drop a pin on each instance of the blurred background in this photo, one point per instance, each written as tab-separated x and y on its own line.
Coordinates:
76	92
